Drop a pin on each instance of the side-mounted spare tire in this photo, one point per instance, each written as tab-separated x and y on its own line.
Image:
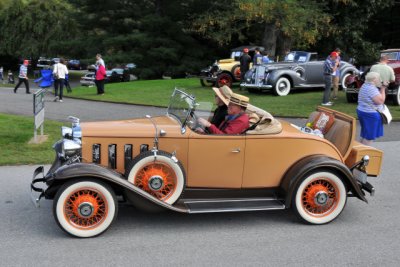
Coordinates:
162	176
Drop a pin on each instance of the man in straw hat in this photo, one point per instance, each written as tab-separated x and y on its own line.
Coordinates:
222	96
237	120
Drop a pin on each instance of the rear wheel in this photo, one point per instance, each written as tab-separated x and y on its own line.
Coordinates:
159	176
224	79
282	86
319	198
85	208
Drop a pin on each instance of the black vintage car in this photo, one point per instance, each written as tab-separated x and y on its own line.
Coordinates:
304	71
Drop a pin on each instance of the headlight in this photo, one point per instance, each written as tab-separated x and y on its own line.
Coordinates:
70	148
66	132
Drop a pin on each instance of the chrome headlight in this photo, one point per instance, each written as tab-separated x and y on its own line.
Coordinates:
70	148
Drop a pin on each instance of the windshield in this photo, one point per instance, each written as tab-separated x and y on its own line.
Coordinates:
390	55
186	110
181	105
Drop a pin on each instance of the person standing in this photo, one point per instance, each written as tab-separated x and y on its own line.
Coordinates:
371	99
257	60
245	61
99	60
1	73
59	72
100	75
265	58
336	76
330	67
386	72
23	77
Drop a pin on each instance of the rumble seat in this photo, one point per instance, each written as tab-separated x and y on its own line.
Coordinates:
342	131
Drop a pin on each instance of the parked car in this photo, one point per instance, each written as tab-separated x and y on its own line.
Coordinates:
163	163
354	82
225	71
118	75
88	79
305	71
44	63
76	64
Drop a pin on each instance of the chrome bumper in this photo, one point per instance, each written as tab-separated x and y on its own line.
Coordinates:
245	85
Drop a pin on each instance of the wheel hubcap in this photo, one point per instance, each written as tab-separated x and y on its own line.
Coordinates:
156	182
321	198
85	209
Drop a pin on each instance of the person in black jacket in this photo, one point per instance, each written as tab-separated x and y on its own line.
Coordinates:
245	60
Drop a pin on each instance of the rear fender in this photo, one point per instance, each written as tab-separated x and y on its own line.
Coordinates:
309	164
84	170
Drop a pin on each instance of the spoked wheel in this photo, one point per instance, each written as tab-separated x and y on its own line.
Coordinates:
224	79
85	208
282	87
161	177
320	198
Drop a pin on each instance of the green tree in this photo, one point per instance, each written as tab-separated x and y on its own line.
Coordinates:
28	28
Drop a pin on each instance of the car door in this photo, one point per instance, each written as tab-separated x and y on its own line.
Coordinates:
215	161
314	72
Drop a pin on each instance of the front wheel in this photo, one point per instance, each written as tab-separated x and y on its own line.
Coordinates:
206	83
85	208
282	87
319	198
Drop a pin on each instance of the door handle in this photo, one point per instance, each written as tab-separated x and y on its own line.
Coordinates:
236	150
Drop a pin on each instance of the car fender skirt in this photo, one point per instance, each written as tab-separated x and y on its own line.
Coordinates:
80	170
317	162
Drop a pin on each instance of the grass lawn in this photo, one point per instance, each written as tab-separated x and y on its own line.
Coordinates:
298	103
15	133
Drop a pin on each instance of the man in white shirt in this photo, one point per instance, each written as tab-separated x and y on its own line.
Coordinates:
59	72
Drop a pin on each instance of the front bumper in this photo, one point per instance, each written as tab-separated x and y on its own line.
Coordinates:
255	86
38	186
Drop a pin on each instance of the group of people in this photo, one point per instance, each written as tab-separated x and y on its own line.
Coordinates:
258	59
60	75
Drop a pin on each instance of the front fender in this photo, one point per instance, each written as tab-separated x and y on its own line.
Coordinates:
306	165
85	170
291	74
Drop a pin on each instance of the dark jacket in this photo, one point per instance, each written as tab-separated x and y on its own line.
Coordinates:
245	61
219	115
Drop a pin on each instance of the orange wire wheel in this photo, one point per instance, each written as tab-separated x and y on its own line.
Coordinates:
160	175
158	179
320	197
85	208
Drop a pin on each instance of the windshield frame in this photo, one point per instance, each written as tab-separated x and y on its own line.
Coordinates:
184	98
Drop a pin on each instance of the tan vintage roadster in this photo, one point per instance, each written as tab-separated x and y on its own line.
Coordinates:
162	163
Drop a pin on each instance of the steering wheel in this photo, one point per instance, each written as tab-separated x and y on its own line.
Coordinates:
194	124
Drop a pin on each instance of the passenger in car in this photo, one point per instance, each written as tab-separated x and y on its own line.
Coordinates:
236	122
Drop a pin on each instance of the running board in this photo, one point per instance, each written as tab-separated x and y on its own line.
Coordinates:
232	205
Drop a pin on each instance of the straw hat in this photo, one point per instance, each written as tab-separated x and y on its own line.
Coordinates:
224	93
239	100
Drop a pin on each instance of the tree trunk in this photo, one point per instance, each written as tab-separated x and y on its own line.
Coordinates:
284	43
269	38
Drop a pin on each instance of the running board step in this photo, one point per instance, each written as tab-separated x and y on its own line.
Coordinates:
232	205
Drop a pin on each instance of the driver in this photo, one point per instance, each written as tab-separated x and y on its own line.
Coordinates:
237	120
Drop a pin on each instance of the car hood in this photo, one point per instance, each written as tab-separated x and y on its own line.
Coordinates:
227	60
280	65
142	127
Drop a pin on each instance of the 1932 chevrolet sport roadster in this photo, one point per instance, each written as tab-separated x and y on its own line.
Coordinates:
163	163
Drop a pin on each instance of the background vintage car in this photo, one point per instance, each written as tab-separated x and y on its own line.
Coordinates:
305	71
226	71
353	83
162	163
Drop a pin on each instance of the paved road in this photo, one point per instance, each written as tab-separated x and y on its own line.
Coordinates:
363	235
21	104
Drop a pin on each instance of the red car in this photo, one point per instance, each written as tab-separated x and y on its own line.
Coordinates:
354	82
